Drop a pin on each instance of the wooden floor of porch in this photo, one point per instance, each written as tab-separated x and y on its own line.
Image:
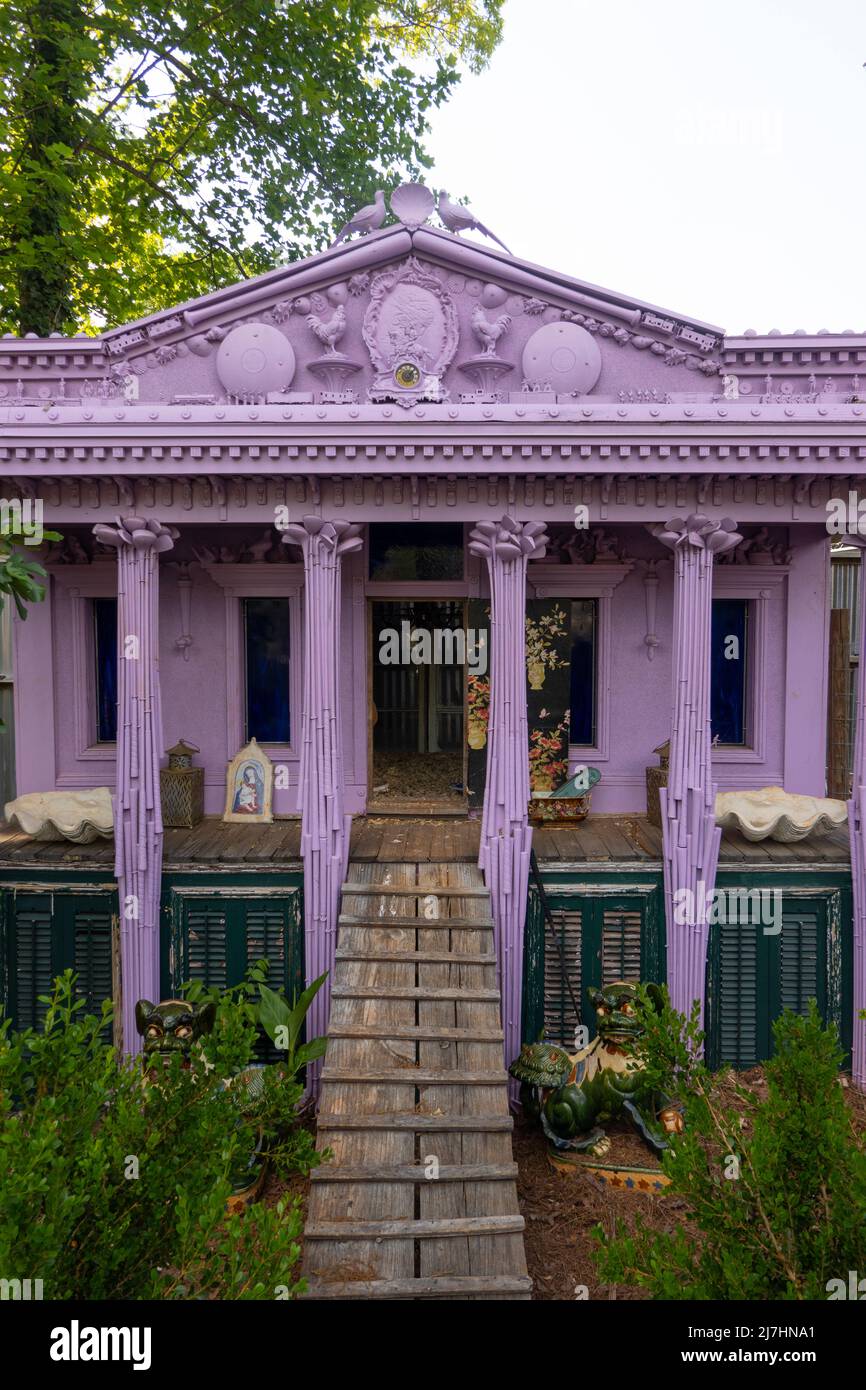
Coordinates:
622	840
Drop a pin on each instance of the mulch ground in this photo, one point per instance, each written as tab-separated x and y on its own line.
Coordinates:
561	1210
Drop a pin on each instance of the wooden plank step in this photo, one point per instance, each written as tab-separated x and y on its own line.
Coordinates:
415	890
398	1032
468	993
421	957
444	1286
415	1230
418	1076
414	1172
408	1119
420	923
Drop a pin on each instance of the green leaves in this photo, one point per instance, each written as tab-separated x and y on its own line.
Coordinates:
149	153
283	1024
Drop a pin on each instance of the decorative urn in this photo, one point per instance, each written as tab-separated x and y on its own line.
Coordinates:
181	787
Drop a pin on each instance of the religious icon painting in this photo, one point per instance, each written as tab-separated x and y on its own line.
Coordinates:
250	787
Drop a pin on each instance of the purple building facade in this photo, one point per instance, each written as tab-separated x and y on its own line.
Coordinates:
583	448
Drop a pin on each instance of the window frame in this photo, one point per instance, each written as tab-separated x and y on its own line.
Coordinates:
759	586
260	581
83	583
597	582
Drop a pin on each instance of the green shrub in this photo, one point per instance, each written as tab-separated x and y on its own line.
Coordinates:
110	1188
776	1187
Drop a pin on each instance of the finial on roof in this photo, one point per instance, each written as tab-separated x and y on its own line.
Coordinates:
460	219
367	219
412	204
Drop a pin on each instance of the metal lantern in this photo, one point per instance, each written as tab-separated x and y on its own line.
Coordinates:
656	778
181	787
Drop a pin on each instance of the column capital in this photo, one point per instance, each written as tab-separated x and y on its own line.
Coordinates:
341	537
698	531
138	533
509	540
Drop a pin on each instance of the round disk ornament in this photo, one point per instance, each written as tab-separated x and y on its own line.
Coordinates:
407	375
255	358
563	355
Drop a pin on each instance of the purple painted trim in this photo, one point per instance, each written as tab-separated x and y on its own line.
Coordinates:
857	836
690	836
137	809
506	839
324	824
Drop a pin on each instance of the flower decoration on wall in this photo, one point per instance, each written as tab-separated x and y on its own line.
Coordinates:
548	756
698	531
478	710
541	653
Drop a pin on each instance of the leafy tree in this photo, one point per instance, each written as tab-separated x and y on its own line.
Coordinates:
20	576
150	151
776	1188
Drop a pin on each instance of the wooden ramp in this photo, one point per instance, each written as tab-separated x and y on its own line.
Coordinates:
419	1200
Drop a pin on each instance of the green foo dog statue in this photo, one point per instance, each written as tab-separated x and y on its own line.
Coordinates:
172	1027
574	1095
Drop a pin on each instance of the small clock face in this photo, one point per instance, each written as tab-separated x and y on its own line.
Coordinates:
407	375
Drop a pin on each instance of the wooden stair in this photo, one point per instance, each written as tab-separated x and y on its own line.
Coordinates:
420	1198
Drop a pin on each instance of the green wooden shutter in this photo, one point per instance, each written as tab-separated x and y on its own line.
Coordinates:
205	942
741	1023
801	960
91	952
32	958
621	936
560	1019
266	937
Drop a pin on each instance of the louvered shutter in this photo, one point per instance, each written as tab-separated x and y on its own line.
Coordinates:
740	1007
91	931
620	945
206	944
32	959
801	960
266	938
560	1020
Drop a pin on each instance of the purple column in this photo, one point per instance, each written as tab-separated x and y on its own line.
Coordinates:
324	825
506	839
137	810
857	836
690	837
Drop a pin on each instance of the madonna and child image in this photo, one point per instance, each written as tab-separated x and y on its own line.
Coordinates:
249	786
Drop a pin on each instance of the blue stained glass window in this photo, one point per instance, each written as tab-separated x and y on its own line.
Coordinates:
728	673
105	655
266	658
584	663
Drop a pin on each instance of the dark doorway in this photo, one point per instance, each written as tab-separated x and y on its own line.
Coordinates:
418	693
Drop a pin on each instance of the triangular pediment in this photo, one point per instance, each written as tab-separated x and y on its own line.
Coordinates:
412	313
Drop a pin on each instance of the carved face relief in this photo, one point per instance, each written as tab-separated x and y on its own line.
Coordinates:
410	329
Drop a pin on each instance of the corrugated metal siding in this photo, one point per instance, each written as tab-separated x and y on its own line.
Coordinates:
845	573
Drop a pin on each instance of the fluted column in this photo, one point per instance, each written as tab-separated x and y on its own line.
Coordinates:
324	824
506	838
857	837
690	837
137	810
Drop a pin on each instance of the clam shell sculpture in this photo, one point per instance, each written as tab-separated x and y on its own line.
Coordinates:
771	813
78	816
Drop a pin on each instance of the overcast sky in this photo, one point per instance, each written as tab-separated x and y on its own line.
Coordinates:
706	157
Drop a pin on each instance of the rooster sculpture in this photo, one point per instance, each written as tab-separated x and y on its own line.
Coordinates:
489	331
330	331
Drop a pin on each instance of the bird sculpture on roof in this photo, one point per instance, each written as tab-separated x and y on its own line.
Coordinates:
368	219
460	219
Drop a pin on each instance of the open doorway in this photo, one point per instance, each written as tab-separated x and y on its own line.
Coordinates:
417	704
